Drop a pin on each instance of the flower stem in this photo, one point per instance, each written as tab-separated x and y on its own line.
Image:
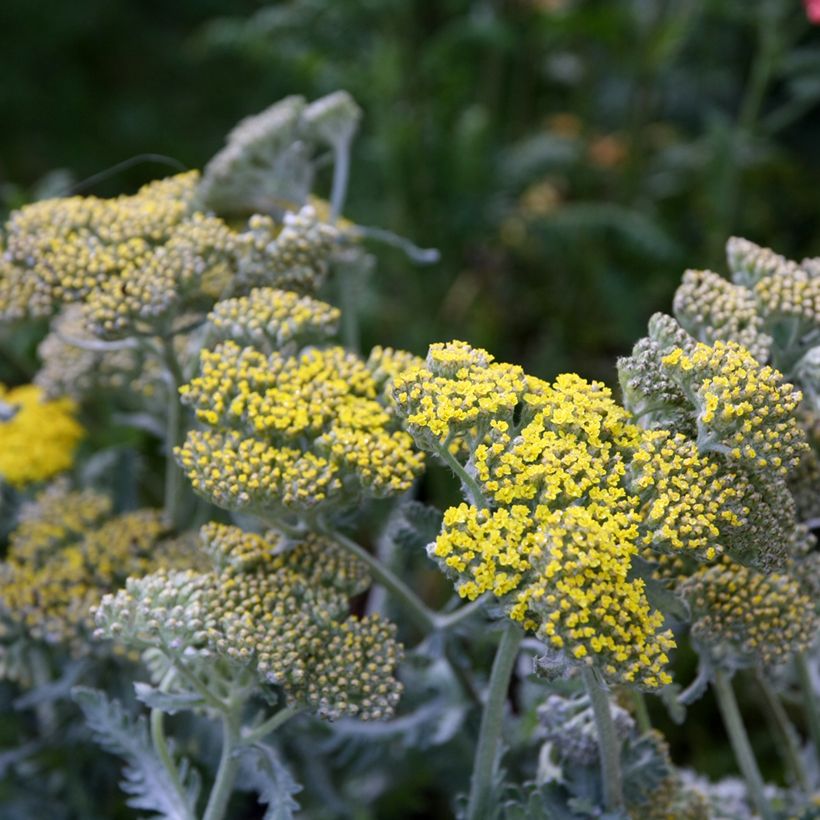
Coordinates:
271	724
809	698
471	486
740	742
789	746
486	755
420	613
173	433
641	711
608	746
226	773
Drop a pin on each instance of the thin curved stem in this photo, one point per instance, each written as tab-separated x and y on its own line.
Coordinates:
740	743
641	711
451	619
809	699
492	720
160	742
608	746
422	616
271	724
471	486
789	745
173	433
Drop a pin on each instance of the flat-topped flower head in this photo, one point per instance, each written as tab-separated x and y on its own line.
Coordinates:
271	319
457	389
280	612
744	410
38	436
745	618
711	308
64	557
292	432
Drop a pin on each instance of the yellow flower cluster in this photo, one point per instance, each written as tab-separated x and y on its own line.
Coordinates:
270	319
556	542
64	556
711	308
742	617
744	411
792	294
37	437
458	388
138	262
292	432
278	609
686	494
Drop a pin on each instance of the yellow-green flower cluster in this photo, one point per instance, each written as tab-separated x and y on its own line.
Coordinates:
712	309
749	263
63	250
292	432
279	609
38	437
271	319
744	411
293	254
742	617
791	294
458	388
64	556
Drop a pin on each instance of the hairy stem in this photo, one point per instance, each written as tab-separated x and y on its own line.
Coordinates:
173	433
420	613
161	743
492	720
789	745
608	746
271	724
641	711
740	743
472	488
810	706
226	773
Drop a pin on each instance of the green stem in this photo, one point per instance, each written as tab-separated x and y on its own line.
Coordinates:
608	745
41	676
161	743
809	699
471	486
271	724
341	175
227	771
486	754
421	615
789	745
641	711
740	743
209	697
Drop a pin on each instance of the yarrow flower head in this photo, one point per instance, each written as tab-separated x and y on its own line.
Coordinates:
555	523
38	437
745	618
278	609
292	431
66	553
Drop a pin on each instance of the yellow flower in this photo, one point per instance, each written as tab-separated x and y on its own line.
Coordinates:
37	437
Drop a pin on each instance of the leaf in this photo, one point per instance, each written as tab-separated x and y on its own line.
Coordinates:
53	690
264	771
169	702
147	782
415	526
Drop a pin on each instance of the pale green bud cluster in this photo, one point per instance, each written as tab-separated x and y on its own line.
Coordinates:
279	609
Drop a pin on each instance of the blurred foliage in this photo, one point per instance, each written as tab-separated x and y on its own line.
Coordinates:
569	159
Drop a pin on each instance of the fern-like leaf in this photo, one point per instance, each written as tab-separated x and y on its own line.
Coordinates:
264	771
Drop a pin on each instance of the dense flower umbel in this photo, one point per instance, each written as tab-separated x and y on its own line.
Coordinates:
271	319
744	411
742	617
292	432
37	437
556	542
278	609
711	308
63	557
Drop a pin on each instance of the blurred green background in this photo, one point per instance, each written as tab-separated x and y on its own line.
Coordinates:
568	159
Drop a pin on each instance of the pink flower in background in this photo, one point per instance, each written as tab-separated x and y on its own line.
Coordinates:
812	10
